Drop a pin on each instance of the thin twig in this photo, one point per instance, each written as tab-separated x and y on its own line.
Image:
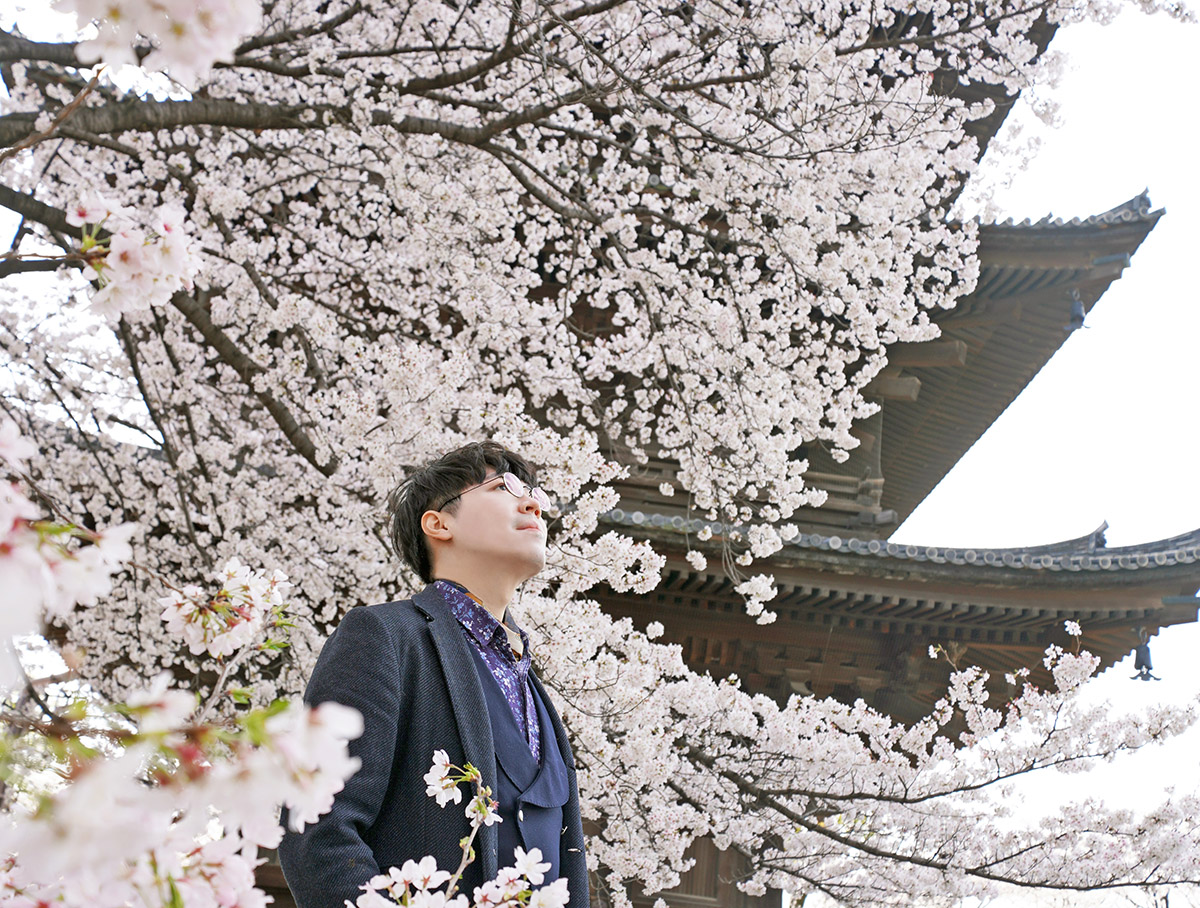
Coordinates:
49	131
218	687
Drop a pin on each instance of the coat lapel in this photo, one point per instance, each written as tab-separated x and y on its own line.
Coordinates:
467	701
549	786
560	730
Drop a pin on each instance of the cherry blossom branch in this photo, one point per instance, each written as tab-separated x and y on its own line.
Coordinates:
249	371
149	396
326	26
33	209
981	871
15	264
61	117
227	669
151	115
14	48
933	40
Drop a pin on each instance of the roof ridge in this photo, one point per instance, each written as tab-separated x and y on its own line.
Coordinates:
1181	549
1138	208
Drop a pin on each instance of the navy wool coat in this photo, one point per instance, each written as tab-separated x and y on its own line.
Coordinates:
407	667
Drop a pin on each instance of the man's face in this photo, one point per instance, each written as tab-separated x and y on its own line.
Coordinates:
496	527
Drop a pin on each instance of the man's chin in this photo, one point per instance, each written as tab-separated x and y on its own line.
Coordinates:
534	564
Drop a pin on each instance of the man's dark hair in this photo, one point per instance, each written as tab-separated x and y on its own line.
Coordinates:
430	487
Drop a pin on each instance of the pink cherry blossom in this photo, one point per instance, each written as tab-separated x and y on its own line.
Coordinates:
47	569
438	783
108	836
424	874
230	619
312	743
482	811
425	899
189	37
554	895
95	209
373	899
159	708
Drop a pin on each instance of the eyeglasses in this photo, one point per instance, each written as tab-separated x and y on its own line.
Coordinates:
514	486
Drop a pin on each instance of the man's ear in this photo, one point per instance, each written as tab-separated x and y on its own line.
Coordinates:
434	525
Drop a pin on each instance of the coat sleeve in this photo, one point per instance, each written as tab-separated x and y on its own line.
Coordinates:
326	863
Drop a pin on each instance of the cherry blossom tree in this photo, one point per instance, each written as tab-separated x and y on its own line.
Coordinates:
340	238
149	782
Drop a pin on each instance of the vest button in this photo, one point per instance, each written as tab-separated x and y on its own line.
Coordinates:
521	815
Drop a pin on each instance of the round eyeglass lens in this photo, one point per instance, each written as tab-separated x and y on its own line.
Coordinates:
520	489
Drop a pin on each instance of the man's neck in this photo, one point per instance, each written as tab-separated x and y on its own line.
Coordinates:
493	594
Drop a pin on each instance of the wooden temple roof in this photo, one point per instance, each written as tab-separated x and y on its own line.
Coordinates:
856	616
858	613
1037	281
1036	284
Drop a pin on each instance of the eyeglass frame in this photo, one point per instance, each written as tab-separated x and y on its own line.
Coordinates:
514	485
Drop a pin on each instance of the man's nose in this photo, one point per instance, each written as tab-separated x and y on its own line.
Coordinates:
529	505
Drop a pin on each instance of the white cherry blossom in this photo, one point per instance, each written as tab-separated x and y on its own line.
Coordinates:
138	270
438	782
530	865
234	617
14	450
188	36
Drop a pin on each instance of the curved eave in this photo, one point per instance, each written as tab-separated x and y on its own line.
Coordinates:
1173	563
1031	277
855	617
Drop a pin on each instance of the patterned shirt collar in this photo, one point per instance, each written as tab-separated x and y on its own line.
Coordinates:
479	622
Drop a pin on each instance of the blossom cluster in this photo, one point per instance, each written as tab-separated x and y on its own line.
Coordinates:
187	36
756	590
136	268
233	617
442	784
47	567
417	883
108	837
134	821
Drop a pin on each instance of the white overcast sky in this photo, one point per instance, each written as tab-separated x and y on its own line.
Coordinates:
1108	430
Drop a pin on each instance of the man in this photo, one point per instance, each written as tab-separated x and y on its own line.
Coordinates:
446	670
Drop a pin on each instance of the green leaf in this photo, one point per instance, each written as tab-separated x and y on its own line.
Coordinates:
255	724
176	900
255	721
76	712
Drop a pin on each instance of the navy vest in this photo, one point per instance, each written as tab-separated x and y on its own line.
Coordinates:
531	796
